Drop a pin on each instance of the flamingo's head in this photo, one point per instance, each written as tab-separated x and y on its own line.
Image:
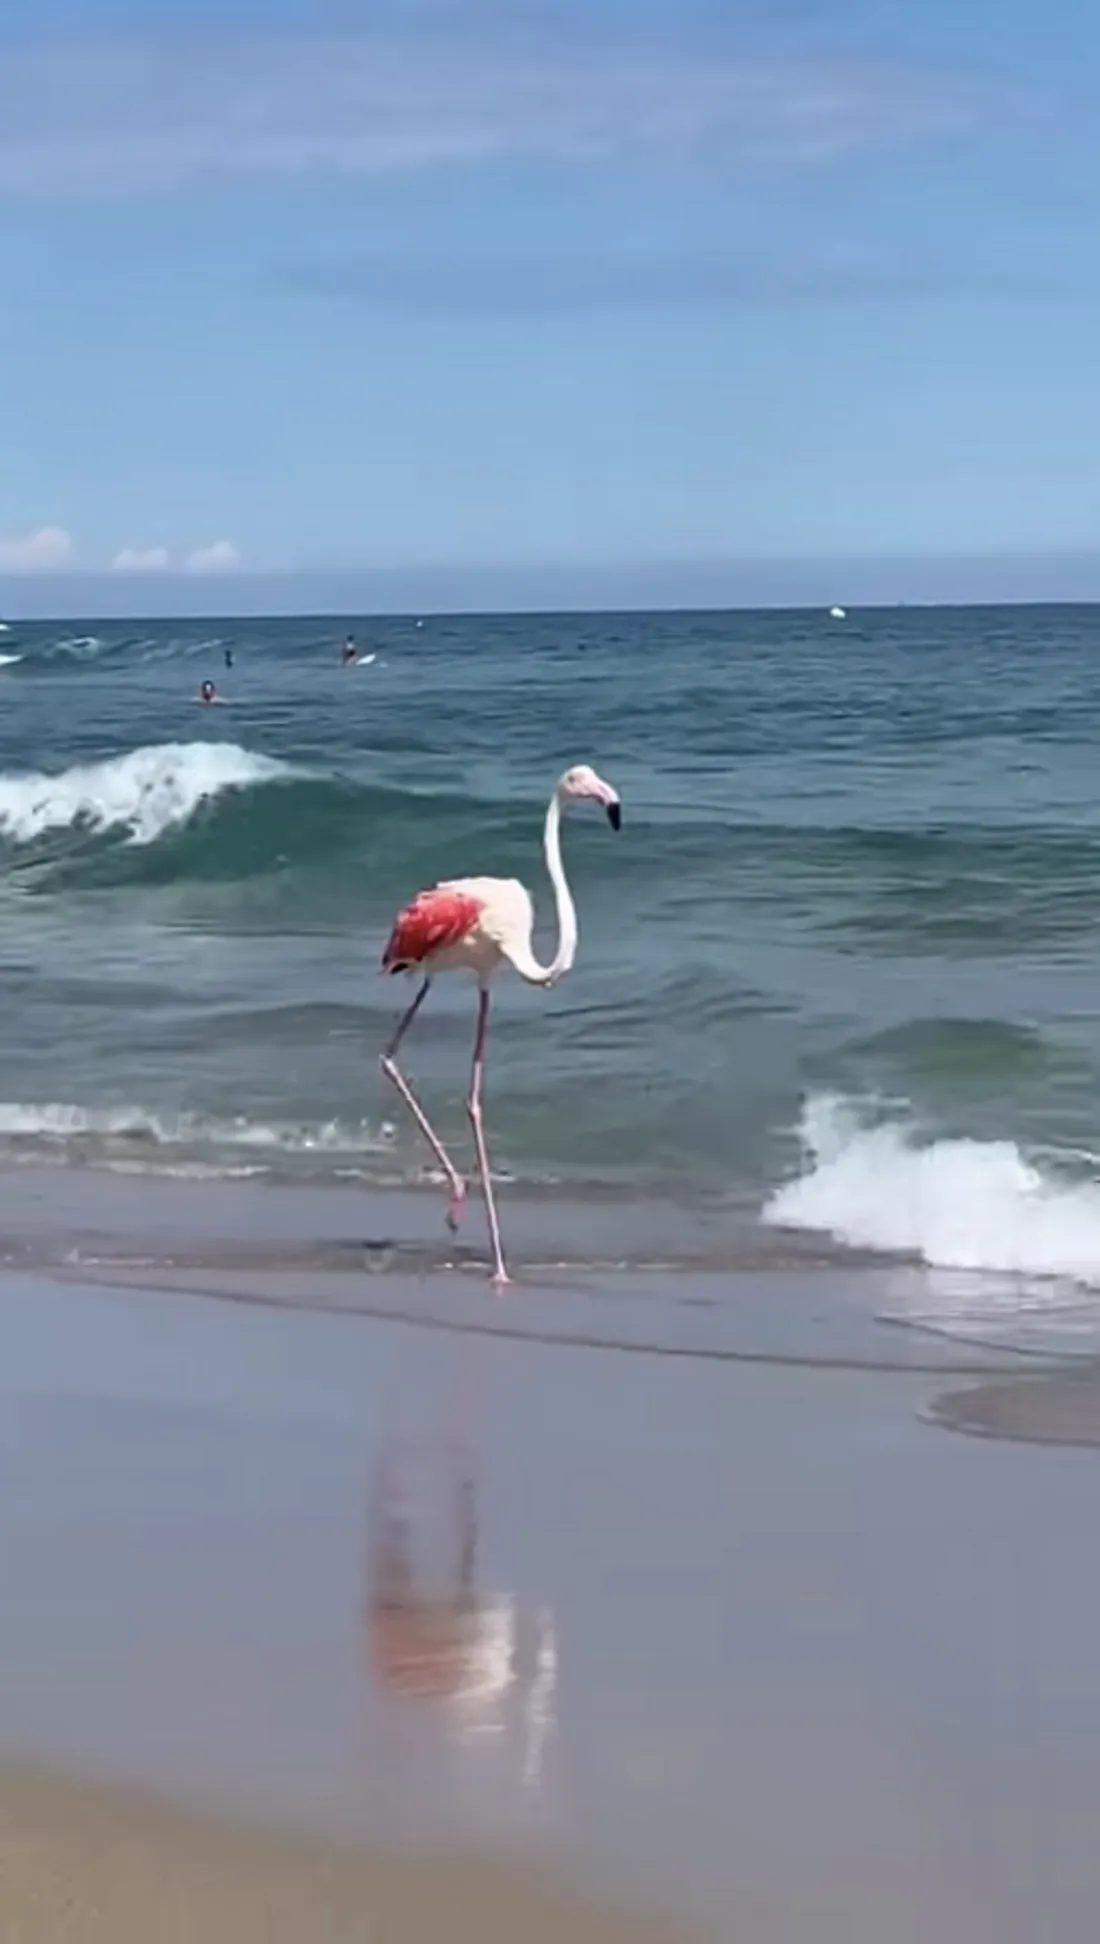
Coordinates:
583	785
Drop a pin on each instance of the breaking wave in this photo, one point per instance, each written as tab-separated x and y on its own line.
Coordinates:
143	794
955	1204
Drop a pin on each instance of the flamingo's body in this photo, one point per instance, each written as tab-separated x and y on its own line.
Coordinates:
480	925
464	925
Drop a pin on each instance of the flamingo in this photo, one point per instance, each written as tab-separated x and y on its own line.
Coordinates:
480	925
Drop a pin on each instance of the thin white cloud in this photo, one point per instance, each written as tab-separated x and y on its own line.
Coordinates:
151	114
221	557
583	278
29	553
141	560
515	283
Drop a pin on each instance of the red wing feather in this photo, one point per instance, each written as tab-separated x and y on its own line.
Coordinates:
433	921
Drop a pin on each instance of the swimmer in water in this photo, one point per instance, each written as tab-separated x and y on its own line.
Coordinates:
349	652
208	693
229	657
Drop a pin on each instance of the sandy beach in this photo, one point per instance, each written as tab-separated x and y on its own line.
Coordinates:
98	1866
604	1591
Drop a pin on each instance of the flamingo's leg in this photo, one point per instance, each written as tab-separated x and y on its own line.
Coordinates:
500	1273
393	1072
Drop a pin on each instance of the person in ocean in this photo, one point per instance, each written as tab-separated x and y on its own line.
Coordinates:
350	652
208	693
229	657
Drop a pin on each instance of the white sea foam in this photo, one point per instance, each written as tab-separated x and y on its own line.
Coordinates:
9	661
58	1123
144	793
958	1204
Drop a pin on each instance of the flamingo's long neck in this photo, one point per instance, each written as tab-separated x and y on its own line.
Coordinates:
523	958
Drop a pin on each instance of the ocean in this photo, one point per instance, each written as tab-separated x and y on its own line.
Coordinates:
836	989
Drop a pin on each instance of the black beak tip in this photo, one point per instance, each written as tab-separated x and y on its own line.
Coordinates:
615	815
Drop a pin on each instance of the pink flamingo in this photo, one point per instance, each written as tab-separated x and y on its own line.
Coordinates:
479	925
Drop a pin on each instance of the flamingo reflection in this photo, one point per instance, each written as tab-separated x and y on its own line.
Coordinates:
488	1665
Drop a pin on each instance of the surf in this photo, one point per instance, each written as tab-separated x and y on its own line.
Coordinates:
136	1132
141	795
953	1203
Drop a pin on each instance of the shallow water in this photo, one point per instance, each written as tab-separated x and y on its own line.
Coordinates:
837	972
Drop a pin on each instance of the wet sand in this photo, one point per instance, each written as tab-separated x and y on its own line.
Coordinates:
1061	1408
726	1629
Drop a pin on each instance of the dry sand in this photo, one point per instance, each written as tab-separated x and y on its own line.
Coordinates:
81	1865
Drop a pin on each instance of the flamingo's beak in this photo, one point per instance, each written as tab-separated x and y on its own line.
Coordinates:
615	815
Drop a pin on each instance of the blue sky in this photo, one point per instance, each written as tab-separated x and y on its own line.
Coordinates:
479	284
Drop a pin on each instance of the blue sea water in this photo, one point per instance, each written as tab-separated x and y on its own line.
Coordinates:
837	974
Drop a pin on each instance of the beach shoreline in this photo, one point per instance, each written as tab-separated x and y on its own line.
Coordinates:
636	1277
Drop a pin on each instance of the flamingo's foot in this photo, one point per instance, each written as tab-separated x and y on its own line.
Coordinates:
457	1207
501	1280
